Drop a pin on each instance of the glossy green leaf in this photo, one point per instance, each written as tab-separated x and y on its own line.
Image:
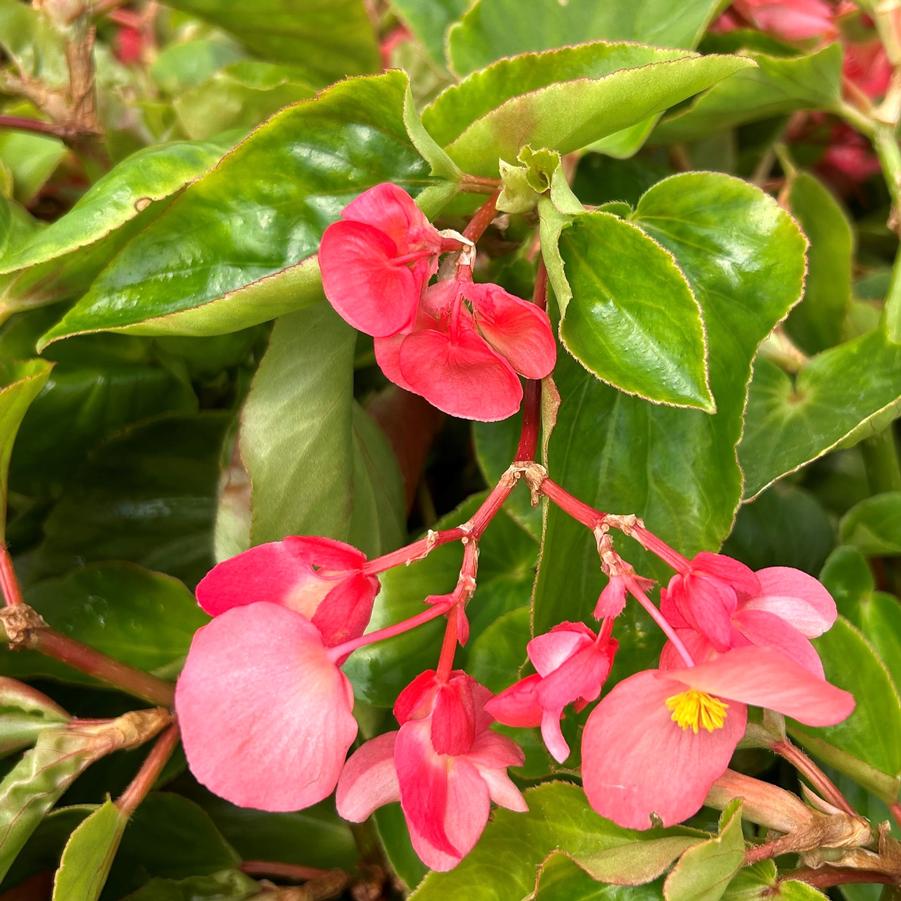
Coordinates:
226	885
20	384
127	505
761	880
142	618
560	878
835	397
30	158
874	525
89	854
507	559
559	819
705	871
318	465
495	28
743	257
870	739
429	20
636	325
816	323
328	38
239	96
564	99
236	248
24	714
777	86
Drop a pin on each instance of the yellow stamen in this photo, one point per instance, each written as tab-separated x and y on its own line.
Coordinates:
695	708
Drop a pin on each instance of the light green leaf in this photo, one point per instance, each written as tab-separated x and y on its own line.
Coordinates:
20	384
32	42
560	878
743	257
327	38
89	854
564	99
182	65
317	467
226	885
429	20
515	845
835	395
867	745
24	714
761	880
495	28
632	320
816	323
778	85
237	247
30	158
143	618
874	525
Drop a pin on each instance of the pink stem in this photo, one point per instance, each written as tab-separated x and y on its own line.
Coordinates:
636	591
9	584
818	779
650	542
568	503
150	770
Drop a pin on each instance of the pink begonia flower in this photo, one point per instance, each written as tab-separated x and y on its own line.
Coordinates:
377	259
572	663
444	765
264	712
318	577
867	67
656	743
778	607
792	20
463	352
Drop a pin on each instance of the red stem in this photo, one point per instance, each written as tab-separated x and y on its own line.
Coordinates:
650	542
150	770
571	505
9	584
21	123
482	218
416	550
531	406
817	778
826	877
895	811
448	646
636	591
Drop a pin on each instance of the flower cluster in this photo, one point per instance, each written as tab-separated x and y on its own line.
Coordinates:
461	345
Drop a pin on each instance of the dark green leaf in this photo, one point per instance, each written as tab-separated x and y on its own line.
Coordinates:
143	618
236	248
328	38
495	28
564	99
226	885
816	323
874	525
24	714
560	878
833	399
636	325
675	468
778	85
89	854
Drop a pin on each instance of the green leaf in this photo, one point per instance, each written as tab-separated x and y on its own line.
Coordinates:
559	819
24	714
34	45
495	28
127	504
20	384
705	871
834	398
317	465
429	20
776	86
816	323
743	257
564	99
142	618
635	325
328	38
239	96
874	525
761	880
30	158
226	885
560	878
867	745
507	559
237	247
89	854
187	64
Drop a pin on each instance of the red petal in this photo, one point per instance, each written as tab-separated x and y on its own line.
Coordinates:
345	611
637	762
742	578
393	211
366	288
517	329
518	705
368	780
265	716
417	698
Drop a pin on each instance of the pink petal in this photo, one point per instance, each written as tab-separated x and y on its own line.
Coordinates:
579	677
453	718
517	705
695	643
345	611
387	355
517	329
280	572
363	284
768	630
468	803
265	715
493	751
552	735
668	606
637	762
742	578
796	597
707	604
368	780
461	376
416	699
765	677
392	210
612	598
502	790
549	651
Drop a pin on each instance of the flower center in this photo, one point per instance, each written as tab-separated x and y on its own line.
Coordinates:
694	708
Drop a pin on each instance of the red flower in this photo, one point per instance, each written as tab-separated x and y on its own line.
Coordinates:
444	765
